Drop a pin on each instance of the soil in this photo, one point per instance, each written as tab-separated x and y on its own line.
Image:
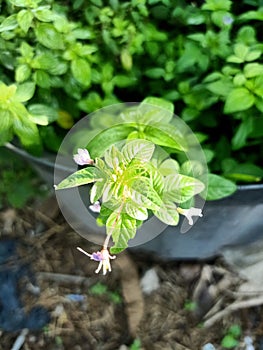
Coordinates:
185	306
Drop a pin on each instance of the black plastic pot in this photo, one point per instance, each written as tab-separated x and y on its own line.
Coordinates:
235	220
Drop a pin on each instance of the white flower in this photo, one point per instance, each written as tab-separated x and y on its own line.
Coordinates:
103	257
83	157
95	207
188	213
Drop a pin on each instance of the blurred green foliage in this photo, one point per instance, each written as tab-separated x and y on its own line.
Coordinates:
61	60
18	182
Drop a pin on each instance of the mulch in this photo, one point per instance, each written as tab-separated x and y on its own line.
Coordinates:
191	306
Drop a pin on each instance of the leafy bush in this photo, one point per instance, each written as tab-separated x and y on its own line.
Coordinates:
60	62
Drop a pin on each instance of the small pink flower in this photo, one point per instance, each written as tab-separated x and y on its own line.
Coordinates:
95	207
188	213
103	257
83	157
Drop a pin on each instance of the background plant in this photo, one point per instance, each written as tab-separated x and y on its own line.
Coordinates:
69	60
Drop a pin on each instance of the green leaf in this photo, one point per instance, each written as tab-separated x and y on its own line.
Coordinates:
246	172
229	342
45	15
48	36
122	227
123	81
253	55
9	23
217	5
81	177
24	19
25	92
242	133
241	50
6	122
47	61
135	211
221	87
126	59
167	213
169	167
26	130
252	70
155	73
42	114
81	71
42	79
180	188
239	99
165	135
102	141
138	149
219	187
22	73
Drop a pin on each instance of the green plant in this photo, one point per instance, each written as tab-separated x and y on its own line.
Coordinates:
60	61
102	289
190	305
133	177
231	339
136	345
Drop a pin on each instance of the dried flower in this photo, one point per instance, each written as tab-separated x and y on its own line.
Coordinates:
95	207
103	257
83	157
188	213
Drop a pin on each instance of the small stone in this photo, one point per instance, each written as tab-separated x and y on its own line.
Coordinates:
208	346
150	281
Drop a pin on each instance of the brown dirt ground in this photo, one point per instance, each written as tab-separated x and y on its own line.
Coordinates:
160	320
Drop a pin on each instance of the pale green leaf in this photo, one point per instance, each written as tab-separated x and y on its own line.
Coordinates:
81	177
167	214
156	110
22	73
192	168
24	19
6	121
122	228
113	157
9	23
252	70
135	211
25	91
144	195
138	149
42	114
81	71
45	15
169	166
96	191
25	129
180	188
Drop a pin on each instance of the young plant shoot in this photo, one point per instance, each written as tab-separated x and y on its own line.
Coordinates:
129	184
